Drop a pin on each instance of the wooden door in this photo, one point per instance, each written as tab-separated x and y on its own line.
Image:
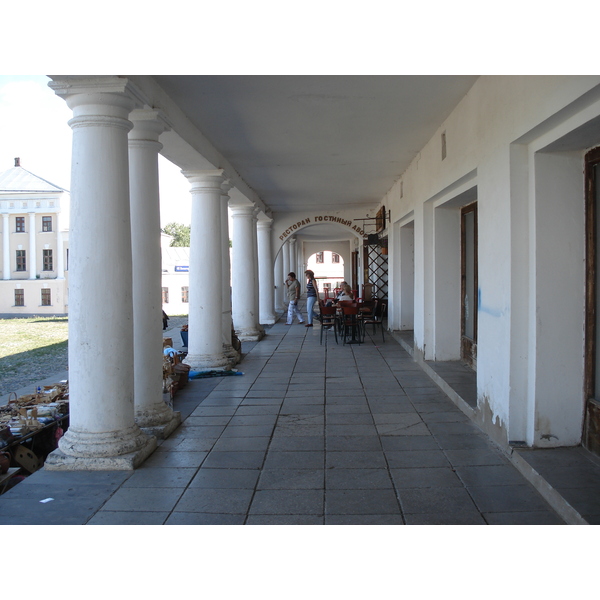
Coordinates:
469	290
591	433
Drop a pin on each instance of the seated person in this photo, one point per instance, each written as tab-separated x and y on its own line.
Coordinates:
341	292
346	293
333	301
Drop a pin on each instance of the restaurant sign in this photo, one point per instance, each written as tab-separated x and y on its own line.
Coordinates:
321	219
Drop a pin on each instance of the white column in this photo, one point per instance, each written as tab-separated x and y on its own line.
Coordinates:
245	315
279	279
151	412
102	434
227	321
60	251
205	345
256	304
5	246
285	249
32	259
265	272
294	259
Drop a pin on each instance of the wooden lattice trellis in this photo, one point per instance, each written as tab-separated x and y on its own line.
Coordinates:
376	269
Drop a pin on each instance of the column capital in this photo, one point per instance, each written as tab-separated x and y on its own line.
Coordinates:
85	89
264	224
242	210
210	179
225	187
148	124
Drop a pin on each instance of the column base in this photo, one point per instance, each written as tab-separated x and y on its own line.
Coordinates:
232	354
164	430
154	415
250	335
269	319
204	362
59	461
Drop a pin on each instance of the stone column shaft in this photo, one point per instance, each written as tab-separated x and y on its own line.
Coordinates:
286	261
279	279
244	284
265	273
294	266
102	434
227	320
205	345
151	412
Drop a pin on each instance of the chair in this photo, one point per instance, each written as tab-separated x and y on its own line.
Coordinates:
341	304
378	316
368	308
328	321
351	323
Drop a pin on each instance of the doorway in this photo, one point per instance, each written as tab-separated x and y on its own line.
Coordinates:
469	295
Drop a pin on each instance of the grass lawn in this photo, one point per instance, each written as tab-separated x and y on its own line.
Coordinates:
31	349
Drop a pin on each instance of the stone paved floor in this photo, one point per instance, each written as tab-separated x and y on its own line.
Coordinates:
310	434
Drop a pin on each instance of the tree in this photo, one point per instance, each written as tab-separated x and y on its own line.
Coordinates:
180	234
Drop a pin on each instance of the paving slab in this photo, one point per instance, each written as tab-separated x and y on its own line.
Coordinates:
313	435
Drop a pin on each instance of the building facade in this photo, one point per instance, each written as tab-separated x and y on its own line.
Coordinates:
175	278
34	252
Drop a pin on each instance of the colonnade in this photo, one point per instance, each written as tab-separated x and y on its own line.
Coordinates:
115	326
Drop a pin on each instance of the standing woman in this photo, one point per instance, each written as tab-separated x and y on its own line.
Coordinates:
312	293
293	291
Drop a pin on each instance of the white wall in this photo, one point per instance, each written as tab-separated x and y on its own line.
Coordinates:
530	256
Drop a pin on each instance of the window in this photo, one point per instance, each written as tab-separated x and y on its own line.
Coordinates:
21	261
335	258
46	297
19	297
47	260
20	226
165	295
320	257
185	291
46	223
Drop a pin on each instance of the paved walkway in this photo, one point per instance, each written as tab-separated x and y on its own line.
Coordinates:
310	434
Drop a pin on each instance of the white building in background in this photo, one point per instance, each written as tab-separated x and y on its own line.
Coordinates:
34	250
175	278
328	268
35	267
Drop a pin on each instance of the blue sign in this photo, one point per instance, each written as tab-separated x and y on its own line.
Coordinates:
182	268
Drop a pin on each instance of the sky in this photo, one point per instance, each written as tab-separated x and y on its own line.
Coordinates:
34	127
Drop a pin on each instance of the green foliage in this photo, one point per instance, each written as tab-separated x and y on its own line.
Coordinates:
180	234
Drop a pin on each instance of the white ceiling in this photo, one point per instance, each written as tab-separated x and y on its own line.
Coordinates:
317	141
